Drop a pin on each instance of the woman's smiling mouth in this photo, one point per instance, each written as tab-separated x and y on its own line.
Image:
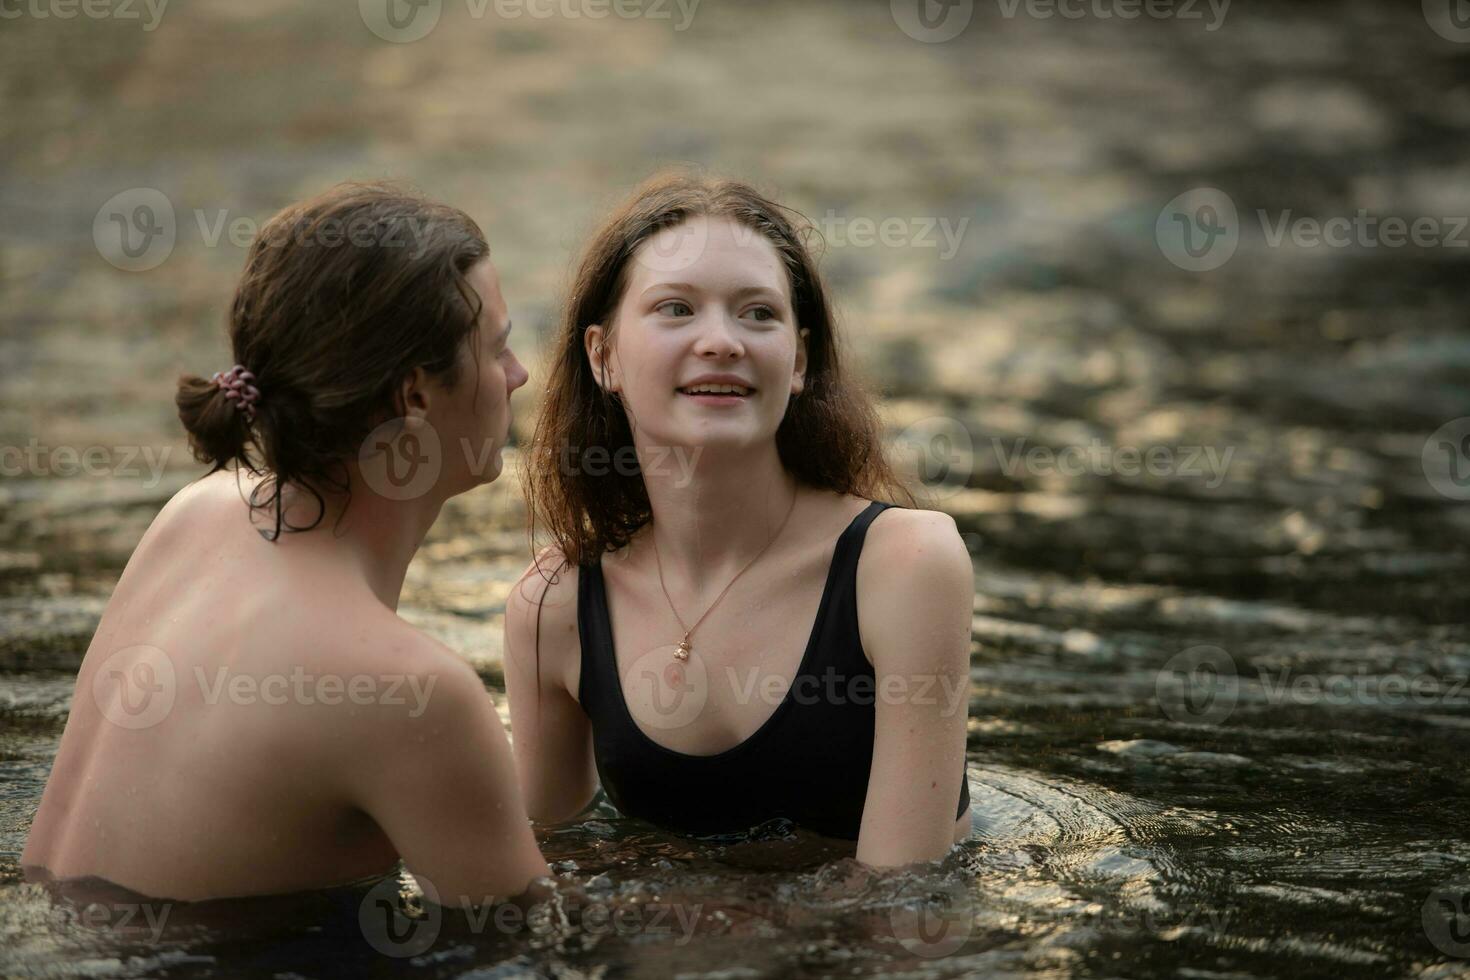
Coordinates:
717	390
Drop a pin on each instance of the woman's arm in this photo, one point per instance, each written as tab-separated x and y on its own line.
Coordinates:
915	596
552	736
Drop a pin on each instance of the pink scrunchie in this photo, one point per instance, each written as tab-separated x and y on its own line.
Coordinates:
240	389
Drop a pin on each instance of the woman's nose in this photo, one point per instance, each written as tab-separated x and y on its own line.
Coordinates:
718	339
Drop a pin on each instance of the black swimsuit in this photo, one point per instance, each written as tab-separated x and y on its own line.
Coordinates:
808	762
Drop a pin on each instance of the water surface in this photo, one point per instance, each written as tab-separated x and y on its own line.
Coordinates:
1219	717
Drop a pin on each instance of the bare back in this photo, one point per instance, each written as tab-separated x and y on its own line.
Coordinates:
237	712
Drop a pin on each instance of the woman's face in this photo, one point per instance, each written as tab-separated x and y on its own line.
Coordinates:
703	348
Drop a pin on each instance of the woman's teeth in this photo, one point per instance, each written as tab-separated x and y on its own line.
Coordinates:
716	390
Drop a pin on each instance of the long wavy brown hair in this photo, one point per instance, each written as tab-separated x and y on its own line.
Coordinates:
828	439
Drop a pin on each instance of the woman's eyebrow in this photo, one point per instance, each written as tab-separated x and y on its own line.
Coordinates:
753	290
739	293
685	286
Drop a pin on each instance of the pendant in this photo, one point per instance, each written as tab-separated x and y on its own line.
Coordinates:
682	653
663	693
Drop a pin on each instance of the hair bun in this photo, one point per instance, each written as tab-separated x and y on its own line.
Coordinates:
218	430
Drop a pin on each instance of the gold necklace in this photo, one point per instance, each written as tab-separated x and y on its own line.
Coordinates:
684	649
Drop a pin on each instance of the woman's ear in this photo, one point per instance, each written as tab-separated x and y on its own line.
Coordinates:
600	357
798	373
414	394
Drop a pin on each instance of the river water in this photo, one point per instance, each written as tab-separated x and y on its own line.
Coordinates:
1219	718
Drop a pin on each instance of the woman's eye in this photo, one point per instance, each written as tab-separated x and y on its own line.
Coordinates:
761	313
675	307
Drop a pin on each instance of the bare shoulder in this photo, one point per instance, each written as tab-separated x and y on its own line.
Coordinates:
195	517
398	678
905	541
914	579
195	507
541	619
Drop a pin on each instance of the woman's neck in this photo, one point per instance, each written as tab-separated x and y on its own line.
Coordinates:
712	516
364	535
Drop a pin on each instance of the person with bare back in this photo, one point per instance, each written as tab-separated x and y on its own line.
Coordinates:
252	716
